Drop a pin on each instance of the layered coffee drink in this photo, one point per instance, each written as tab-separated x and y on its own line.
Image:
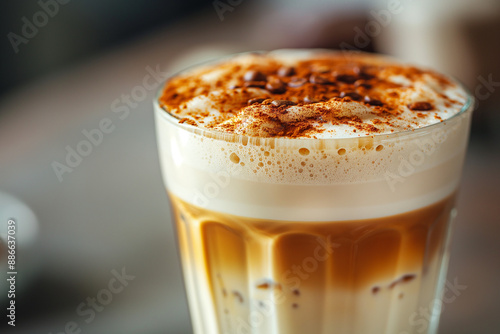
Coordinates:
313	191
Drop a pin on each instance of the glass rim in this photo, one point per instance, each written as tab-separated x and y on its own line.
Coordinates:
467	108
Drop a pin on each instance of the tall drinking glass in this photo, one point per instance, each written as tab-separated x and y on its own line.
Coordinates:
294	236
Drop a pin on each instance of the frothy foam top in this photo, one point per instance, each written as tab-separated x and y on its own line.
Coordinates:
311	94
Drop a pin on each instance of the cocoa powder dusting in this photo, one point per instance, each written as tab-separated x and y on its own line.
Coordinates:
318	83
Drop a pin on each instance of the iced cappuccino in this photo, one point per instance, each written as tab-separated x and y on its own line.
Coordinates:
313	191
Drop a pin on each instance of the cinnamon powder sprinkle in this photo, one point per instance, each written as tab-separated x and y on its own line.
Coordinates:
262	95
187	121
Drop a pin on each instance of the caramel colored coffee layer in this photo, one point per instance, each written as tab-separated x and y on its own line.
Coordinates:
310	271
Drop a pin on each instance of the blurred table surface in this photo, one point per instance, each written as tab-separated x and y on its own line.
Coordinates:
111	211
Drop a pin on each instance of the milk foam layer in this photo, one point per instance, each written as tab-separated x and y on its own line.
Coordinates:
307	179
318	180
311	94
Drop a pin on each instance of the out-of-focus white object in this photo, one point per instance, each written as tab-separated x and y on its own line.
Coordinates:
459	37
26	231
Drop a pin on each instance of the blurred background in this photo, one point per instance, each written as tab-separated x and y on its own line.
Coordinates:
67	64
